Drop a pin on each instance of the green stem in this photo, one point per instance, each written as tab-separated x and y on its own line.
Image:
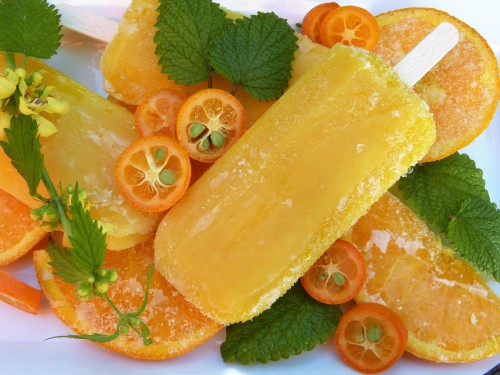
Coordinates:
57	199
113	306
10	60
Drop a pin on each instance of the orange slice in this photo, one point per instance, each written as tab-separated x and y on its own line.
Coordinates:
19	294
450	312
18	232
462	90
176	325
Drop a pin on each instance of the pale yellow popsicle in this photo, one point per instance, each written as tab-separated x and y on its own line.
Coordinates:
90	137
295	182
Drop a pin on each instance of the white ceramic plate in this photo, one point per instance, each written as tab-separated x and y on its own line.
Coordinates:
22	346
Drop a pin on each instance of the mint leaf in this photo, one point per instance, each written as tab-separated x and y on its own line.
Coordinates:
88	239
451	195
256	54
23	148
437	189
30	27
186	29
294	323
475	234
64	266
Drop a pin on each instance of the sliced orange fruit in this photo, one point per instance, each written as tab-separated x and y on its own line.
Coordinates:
450	312
350	25
176	325
18	232
209	122
311	24
337	276
153	172
462	90
19	294
157	114
370	337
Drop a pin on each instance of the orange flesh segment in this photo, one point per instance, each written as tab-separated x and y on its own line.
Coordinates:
450	312
19	294
18	232
462	90
176	325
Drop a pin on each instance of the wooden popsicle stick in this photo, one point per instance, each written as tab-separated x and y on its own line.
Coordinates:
427	53
87	23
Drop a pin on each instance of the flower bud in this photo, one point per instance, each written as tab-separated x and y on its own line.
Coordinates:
102	286
55	106
45	127
84	292
112	276
7	88
21	73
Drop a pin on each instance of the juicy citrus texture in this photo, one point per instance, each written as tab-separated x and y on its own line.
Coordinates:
450	312
153	173
462	90
209	122
19	294
157	114
350	25
176	326
18	232
311	24
370	337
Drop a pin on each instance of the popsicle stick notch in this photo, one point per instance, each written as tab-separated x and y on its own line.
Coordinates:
427	53
87	23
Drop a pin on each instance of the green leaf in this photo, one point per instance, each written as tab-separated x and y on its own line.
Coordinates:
88	239
64	265
185	33
95	337
256	54
295	323
437	189
23	148
475	234
30	27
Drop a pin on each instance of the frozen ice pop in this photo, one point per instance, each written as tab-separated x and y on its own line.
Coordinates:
91	136
296	181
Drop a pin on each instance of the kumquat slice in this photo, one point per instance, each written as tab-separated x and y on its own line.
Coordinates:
350	25
209	122
153	173
311	24
337	276
157	113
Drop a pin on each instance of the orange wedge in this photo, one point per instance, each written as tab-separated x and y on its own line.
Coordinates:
462	90
18	232
19	294
450	312
176	325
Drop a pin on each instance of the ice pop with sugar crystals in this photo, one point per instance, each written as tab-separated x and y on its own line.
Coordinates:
295	182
